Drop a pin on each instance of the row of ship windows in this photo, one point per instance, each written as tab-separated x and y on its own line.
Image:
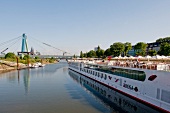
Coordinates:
126	73
101	75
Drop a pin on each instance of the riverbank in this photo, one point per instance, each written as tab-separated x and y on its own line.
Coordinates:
7	66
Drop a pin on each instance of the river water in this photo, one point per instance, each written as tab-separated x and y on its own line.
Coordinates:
56	89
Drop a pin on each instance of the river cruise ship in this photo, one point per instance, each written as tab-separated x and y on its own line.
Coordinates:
117	102
146	85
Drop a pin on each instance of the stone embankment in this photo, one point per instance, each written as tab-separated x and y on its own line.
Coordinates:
6	66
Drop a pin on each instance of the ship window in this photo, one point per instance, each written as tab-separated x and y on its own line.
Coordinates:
105	77
102	75
152	77
98	74
135	76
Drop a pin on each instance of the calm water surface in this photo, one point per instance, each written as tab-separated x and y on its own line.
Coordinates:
56	89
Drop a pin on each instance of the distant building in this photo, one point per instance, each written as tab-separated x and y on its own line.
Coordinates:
151	46
32	52
96	48
131	52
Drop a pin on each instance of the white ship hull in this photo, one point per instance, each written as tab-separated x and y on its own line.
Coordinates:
119	102
155	93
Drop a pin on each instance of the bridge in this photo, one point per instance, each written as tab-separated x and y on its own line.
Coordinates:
47	56
43	50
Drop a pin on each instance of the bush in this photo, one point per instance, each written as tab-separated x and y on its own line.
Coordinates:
38	60
51	60
10	56
26	57
37	57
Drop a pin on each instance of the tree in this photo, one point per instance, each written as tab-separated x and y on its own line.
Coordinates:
91	54
107	52
140	48
164	49
161	40
128	46
117	48
102	53
10	55
140	53
152	52
85	55
99	52
81	54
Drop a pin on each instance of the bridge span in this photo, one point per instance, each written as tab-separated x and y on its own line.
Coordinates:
52	56
47	56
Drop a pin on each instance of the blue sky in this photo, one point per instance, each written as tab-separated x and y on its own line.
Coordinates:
75	25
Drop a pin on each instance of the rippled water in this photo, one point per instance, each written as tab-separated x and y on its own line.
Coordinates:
56	89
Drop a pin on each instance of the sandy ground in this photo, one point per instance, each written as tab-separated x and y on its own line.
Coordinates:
4	68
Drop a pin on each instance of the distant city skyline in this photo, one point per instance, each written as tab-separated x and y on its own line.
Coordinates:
77	25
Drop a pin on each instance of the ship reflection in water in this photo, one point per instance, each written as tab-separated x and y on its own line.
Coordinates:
117	102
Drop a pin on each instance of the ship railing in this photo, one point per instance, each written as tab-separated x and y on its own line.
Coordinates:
150	66
134	64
